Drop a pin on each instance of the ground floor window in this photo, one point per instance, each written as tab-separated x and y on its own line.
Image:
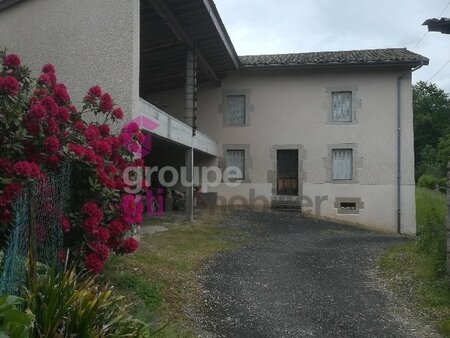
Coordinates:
236	159
342	164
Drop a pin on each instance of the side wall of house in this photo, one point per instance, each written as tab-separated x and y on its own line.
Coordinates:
289	110
89	41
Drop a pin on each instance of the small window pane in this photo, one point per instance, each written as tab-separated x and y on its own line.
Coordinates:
341	164
235	114
341	110
236	158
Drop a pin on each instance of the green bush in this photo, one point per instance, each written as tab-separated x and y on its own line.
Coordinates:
14	323
72	305
430	182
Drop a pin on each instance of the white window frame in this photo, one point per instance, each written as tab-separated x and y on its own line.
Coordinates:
228	121
228	164
334	116
334	168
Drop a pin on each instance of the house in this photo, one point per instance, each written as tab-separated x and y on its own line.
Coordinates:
328	132
438	25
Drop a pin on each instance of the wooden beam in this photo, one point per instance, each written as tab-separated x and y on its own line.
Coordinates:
221	30
167	15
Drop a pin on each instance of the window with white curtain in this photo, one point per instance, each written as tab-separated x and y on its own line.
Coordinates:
236	158
342	164
235	113
341	107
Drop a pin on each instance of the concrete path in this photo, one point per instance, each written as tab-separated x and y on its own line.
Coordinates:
303	278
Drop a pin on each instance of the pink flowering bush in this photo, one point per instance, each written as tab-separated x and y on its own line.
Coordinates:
40	130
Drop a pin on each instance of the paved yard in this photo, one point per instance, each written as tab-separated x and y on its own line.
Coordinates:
303	278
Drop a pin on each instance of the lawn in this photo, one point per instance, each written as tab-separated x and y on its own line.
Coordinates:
416	269
160	278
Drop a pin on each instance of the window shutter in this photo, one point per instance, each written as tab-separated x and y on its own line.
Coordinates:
236	158
235	114
341	107
341	164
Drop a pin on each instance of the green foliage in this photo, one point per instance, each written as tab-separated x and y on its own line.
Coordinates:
69	304
14	322
430	182
416	269
431	107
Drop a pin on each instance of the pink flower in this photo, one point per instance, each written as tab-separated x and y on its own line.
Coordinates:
92	210
52	126
60	93
132	127
93	263
37	111
106	103
101	147
118	113
102	234
125	138
116	228
11	60
63	114
130	245
51	144
132	209
101	249
95	91
65	224
50	105
45	79
27	169
89	156
9	85
90	225
104	129
91	133
48	69
77	149
79	126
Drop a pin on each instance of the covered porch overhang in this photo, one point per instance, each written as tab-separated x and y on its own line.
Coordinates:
182	43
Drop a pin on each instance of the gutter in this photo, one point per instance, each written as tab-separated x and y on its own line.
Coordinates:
399	143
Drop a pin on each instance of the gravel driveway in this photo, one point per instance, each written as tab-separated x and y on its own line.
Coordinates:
303	277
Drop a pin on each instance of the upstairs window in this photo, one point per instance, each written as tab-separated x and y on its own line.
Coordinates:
342	164
341	107
235	110
236	158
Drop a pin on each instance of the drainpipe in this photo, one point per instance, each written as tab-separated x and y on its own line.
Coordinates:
399	144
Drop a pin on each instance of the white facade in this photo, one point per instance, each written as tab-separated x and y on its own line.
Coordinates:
290	109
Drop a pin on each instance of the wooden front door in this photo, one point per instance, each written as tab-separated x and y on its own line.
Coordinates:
287	172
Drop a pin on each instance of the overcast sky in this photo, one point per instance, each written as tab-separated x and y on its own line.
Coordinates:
290	26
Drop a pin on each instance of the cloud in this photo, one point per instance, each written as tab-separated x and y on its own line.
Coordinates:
289	26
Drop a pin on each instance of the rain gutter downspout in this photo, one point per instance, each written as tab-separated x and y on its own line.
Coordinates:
399	143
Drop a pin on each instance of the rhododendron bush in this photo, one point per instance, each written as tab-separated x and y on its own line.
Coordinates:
40	131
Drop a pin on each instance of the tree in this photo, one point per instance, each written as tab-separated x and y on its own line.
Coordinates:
431	106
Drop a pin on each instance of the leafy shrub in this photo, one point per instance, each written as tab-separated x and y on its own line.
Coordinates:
40	129
430	182
71	305
14	323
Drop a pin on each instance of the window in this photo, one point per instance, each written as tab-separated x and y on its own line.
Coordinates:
341	106
341	164
235	110
236	158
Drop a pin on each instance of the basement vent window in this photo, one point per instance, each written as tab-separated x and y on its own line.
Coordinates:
347	206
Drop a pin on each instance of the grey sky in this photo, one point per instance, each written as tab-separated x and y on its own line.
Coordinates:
289	26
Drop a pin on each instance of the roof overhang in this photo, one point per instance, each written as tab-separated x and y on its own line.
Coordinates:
169	29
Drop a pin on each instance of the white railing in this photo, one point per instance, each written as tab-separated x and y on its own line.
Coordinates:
171	128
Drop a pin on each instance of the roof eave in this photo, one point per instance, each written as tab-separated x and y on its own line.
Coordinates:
410	64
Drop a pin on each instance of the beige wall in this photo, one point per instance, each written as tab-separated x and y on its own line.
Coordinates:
290	108
89	41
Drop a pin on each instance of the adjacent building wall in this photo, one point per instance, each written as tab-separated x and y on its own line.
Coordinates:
289	107
89	41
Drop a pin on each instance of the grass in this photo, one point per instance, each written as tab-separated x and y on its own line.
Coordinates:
160	278
417	269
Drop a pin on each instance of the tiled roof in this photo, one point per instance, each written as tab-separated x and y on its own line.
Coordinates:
351	57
